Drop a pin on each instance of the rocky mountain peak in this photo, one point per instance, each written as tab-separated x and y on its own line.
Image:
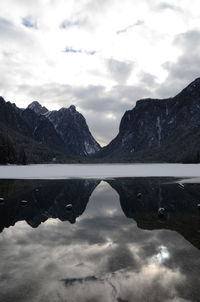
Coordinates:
73	129
2	99
37	107
192	90
72	108
194	85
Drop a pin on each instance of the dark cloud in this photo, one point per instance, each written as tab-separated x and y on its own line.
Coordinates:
76	21
29	22
127	28
67	23
73	50
119	70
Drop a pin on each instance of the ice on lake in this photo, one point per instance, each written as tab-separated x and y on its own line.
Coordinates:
64	171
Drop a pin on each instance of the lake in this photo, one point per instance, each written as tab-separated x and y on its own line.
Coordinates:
94	239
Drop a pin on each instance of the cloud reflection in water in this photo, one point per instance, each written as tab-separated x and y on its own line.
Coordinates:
103	257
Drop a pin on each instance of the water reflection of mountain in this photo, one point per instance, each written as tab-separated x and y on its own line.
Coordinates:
36	201
141	198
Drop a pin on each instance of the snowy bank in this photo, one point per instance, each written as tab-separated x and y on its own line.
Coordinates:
63	171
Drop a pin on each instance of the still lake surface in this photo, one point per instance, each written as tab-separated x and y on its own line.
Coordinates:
99	240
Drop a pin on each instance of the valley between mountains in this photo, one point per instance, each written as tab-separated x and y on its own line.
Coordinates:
155	130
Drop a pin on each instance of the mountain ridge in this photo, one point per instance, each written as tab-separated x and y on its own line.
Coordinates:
157	125
29	134
155	130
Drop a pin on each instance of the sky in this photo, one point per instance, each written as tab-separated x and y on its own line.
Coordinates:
100	55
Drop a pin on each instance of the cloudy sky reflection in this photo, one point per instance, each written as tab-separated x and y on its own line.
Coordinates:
102	257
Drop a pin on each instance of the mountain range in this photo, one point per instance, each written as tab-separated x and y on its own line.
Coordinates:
35	135
155	130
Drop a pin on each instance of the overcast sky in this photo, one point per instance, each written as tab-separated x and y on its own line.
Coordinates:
100	55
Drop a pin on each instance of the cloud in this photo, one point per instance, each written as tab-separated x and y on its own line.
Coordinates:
186	68
76	21
98	7
29	22
147	79
9	31
124	30
166	5
67	23
73	50
119	70
5	23
15	39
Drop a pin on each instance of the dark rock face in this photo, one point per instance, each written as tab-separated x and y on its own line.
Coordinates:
42	129
64	131
18	142
11	118
157	125
73	129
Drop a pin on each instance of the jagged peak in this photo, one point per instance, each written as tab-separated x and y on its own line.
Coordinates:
37	107
71	109
2	99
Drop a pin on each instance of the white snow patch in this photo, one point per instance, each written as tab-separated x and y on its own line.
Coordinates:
171	121
64	171
89	149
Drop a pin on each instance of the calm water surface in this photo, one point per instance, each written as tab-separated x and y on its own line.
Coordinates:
94	240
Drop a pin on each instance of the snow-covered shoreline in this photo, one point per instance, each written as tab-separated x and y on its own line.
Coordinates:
64	171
